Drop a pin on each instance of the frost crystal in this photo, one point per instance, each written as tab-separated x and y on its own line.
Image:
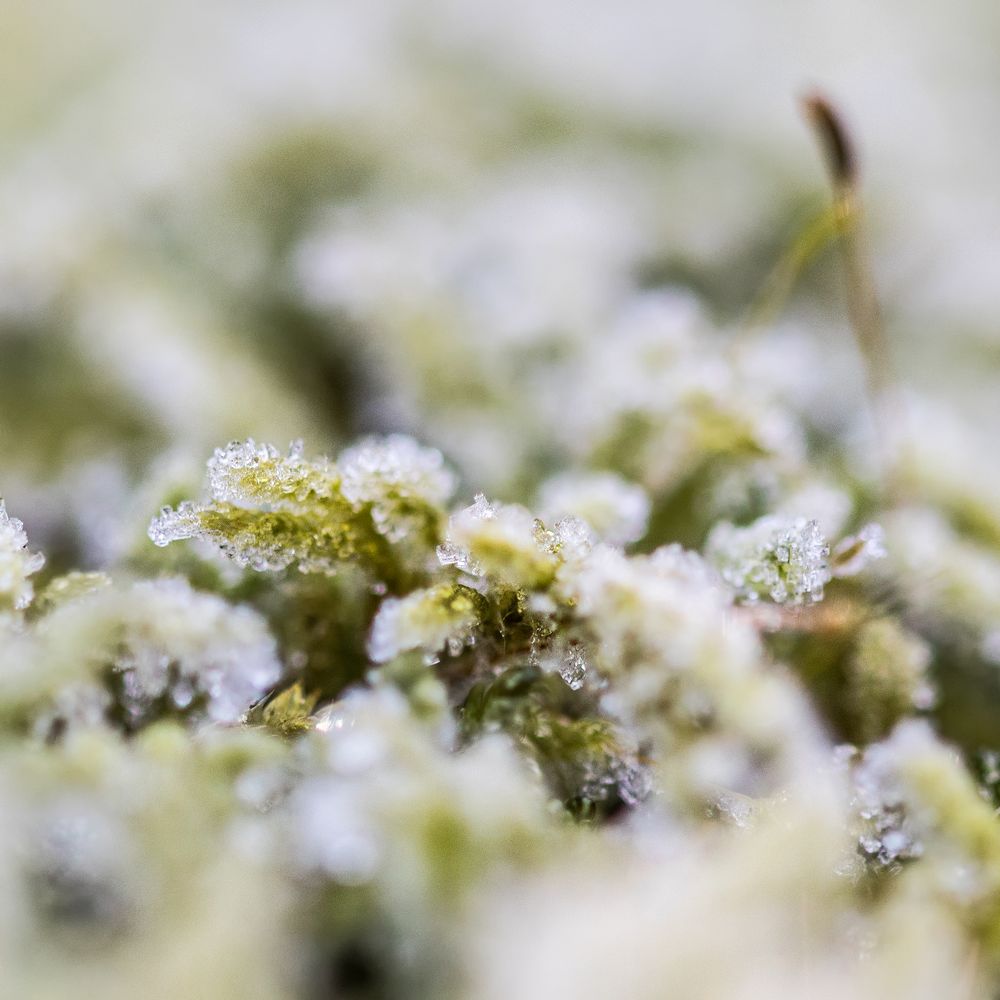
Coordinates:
573	669
463	527
781	560
570	539
613	775
568	659
432	619
16	564
399	478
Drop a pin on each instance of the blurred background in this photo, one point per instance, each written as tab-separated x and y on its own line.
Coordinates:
317	219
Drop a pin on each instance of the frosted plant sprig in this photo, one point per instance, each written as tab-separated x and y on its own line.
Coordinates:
507	544
154	645
269	512
389	803
778	559
659	398
684	671
17	564
951	583
246	473
314	541
440	617
401	481
266	511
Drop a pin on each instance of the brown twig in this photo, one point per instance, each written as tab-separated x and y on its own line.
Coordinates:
863	308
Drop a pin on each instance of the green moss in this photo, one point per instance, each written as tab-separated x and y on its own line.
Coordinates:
287	712
587	764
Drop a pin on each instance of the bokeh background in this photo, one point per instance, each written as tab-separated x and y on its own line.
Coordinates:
315	219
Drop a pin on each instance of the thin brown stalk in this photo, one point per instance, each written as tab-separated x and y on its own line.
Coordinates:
863	308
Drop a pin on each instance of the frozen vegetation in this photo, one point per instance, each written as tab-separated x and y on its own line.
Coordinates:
622	620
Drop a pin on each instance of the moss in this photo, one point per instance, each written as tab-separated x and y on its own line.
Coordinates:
287	712
587	764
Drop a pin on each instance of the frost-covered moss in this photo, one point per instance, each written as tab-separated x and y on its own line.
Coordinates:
772	559
269	512
431	620
363	712
583	667
134	653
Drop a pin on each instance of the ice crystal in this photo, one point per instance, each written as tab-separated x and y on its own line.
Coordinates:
17	564
174	525
573	667
566	657
462	526
773	558
619	776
